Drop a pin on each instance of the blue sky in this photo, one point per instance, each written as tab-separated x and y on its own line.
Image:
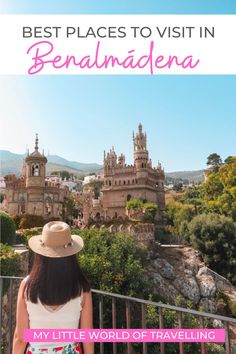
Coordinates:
186	117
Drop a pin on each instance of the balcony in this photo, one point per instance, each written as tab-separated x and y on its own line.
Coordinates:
133	312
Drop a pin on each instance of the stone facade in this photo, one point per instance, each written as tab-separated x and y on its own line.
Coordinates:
32	193
123	182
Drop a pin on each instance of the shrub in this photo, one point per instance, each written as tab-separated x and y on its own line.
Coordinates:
28	221
214	236
9	263
17	219
147	209
8	229
232	307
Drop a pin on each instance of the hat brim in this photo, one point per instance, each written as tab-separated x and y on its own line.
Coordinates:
36	245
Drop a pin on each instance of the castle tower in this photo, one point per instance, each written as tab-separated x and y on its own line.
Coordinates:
121	160
35	167
110	161
140	153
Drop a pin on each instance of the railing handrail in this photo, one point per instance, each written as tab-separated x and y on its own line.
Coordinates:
153	303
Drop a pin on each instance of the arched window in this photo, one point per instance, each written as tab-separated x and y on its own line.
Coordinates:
35	170
124	182
48	206
22	205
128	197
98	217
109	183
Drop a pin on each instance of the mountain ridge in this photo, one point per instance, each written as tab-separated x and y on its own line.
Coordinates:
11	163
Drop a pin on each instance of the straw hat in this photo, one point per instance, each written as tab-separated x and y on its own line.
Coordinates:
56	241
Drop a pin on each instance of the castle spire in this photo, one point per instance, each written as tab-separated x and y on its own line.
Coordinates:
36	143
140	128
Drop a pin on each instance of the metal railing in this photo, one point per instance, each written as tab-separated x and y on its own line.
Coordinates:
180	312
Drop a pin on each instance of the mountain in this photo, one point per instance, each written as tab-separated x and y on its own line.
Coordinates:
12	164
55	159
191	176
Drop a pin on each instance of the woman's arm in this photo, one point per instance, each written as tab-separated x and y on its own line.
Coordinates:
22	322
86	319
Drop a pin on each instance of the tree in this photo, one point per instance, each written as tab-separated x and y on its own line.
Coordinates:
178	187
69	210
1	197
147	210
8	229
63	174
214	160
229	159
219	190
215	237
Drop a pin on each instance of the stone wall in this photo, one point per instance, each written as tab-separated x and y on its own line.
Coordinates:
143	233
9	300
179	272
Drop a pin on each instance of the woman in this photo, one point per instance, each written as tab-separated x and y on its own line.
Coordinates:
55	294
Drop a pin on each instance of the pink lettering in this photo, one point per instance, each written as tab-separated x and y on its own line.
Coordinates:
43	53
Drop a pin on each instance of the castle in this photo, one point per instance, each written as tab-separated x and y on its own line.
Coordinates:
125	182
36	194
32	193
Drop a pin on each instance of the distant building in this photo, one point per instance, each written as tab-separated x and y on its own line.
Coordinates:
90	178
125	182
2	184
34	193
71	185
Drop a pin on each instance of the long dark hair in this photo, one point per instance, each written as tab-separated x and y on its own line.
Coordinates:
55	280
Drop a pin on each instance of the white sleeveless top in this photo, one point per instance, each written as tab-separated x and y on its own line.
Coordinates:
64	316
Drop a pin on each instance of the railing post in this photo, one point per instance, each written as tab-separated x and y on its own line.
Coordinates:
227	338
127	308
202	343
144	326
10	318
181	345
1	295
114	344
101	321
161	325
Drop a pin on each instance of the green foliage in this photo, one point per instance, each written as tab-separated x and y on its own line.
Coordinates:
1	197
219	190
69	210
9	263
94	185
214	160
23	235
7	228
150	212
28	221
177	216
148	209
232	307
178	187
62	174
215	237
111	262
134	204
